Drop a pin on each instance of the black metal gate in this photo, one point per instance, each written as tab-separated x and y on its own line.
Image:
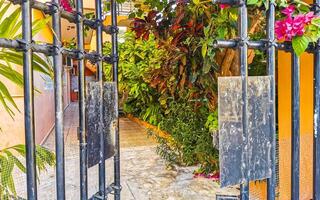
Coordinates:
270	45
56	50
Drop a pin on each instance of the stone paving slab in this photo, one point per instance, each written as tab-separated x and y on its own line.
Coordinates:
144	175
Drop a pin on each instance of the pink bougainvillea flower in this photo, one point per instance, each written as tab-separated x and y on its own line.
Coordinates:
213	176
65	4
289	10
291	26
308	17
224	6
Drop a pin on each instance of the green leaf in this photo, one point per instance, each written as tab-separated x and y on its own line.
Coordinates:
8	23
5	93
316	21
16	161
252	2
6	106
11	74
300	44
4	10
204	49
196	2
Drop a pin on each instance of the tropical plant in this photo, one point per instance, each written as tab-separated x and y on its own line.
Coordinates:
191	141
138	58
10	28
188	31
11	158
180	94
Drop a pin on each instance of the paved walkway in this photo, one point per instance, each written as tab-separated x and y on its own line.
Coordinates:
143	173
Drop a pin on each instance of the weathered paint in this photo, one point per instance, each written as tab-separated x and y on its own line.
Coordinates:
230	129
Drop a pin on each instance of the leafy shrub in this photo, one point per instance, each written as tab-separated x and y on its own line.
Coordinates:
184	120
192	141
137	59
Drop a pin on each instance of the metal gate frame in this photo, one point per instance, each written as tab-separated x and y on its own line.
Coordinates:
270	45
242	43
56	50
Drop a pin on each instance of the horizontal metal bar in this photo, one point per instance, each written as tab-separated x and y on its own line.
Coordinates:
262	44
22	45
48	49
234	44
229	2
71	17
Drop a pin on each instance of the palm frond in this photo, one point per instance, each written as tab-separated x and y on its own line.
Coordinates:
12	157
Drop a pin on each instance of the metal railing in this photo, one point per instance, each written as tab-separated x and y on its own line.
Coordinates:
270	46
56	50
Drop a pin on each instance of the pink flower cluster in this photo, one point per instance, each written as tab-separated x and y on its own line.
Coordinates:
224	6
65	4
213	176
292	26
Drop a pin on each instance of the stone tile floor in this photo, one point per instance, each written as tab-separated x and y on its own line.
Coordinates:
144	175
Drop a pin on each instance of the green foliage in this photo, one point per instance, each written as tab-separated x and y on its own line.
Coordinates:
10	28
312	34
300	44
138	58
192	140
212	121
168	74
11	158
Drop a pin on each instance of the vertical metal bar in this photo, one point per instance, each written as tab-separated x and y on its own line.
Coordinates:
243	52
29	101
316	123
58	90
271	61
117	182
82	106
102	164
295	127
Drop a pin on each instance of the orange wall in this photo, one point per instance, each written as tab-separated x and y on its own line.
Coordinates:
258	190
306	130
